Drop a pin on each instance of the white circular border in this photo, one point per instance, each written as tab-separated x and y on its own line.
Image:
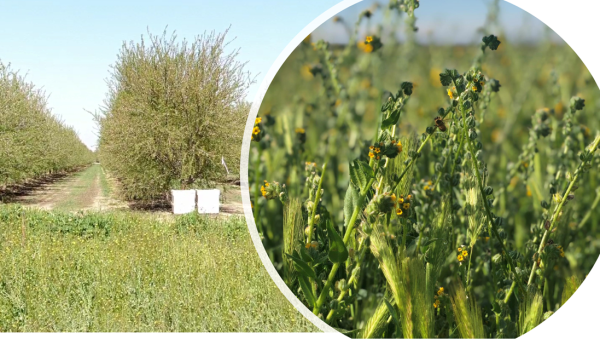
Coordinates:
577	316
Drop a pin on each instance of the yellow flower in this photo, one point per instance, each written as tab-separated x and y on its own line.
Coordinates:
371	147
369	39
257	121
307	246
377	150
300	130
400	200
406	206
368	48
426	187
460	249
465	253
440	291
460	257
371	154
436	304
450	94
409	197
528	191
255	130
482	82
399	146
399	211
474	88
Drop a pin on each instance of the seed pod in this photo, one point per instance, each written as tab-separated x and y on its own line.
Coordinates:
472	135
470	122
309	206
488	190
545	204
479	155
479	145
547	224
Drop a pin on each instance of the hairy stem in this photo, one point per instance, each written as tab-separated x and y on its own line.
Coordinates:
559	208
483	195
311	221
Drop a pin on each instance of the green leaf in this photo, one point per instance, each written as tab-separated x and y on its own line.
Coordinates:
302	267
346	332
394	317
391	120
304	254
350	202
305	285
360	174
337	250
447	76
430	241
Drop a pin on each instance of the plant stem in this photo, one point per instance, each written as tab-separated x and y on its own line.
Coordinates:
311	222
352	279
589	213
334	268
483	195
558	208
412	161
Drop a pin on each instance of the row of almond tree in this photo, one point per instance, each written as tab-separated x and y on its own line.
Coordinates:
33	142
174	110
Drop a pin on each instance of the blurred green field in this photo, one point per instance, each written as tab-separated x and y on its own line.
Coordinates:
324	106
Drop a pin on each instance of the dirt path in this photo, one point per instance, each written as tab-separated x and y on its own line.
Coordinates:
93	190
81	191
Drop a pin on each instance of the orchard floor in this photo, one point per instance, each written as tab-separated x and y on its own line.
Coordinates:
74	258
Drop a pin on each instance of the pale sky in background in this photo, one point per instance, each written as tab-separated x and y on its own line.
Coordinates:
66	47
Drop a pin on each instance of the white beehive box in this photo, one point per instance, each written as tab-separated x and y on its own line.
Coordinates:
208	201
184	201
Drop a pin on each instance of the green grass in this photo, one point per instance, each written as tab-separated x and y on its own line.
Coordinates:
104	185
123	271
79	193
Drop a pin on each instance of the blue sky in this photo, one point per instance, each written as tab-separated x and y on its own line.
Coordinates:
66	47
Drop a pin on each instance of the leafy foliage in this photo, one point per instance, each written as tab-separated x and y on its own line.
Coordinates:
33	142
174	109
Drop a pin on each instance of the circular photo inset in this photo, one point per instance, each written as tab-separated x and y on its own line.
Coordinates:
429	170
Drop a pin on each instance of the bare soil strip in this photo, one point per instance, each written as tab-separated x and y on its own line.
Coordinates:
93	190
